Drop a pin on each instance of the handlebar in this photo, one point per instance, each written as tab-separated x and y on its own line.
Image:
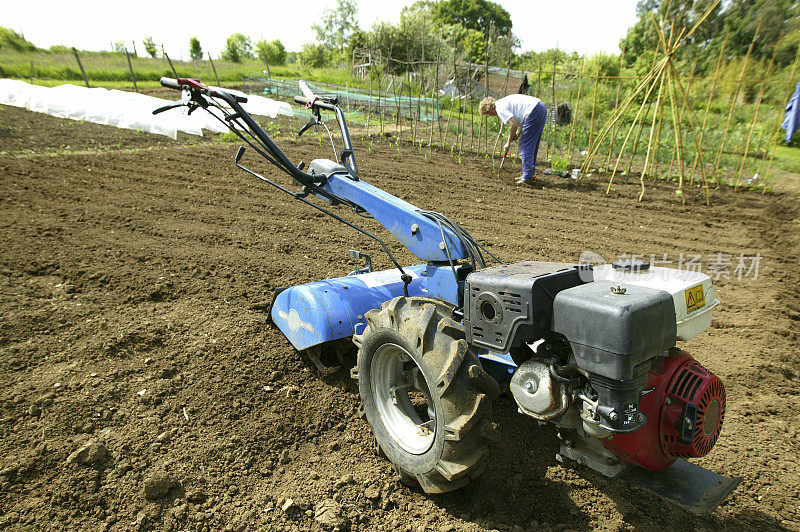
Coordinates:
170	83
302	100
194	84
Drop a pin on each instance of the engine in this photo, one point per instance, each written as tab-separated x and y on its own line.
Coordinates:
595	355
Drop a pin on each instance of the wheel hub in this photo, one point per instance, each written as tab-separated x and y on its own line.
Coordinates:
402	399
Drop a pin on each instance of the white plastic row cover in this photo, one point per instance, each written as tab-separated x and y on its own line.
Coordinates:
127	110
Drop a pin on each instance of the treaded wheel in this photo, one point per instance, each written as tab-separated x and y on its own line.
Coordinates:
425	394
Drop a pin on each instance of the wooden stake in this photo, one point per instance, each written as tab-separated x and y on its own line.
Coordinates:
133	78
78	59
170	62
214	69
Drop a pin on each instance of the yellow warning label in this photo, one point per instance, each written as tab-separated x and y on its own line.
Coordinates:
695	298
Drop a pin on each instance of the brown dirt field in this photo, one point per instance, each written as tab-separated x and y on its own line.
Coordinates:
134	285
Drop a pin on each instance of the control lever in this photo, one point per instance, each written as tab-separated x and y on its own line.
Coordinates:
360	255
173	105
315	119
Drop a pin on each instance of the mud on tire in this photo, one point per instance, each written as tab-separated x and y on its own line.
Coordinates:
428	346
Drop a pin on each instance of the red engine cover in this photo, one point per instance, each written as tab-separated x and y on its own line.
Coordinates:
674	382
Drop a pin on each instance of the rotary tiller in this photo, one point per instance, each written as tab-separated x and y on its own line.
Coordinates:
589	350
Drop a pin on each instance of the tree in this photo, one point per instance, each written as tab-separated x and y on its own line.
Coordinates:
272	52
736	18
474	46
119	47
479	15
237	47
338	25
150	46
195	50
315	55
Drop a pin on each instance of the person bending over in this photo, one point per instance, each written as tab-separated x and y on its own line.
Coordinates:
525	116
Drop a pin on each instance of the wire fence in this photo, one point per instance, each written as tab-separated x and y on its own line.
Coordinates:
434	103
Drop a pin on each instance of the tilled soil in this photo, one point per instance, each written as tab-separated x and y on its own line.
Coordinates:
142	388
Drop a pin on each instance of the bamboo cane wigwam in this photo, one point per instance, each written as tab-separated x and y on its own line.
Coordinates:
664	76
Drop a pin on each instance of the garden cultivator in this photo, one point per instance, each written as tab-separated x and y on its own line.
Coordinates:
589	350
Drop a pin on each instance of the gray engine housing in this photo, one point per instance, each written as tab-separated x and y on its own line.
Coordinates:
614	327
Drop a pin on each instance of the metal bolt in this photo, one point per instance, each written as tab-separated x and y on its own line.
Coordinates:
414	229
688	422
612	460
641	417
531	386
442	246
613	416
667	401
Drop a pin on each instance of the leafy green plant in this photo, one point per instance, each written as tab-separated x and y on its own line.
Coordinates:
559	164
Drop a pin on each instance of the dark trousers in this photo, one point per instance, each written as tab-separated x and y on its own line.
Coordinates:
529	139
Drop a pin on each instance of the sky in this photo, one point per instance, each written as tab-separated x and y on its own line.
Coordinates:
585	26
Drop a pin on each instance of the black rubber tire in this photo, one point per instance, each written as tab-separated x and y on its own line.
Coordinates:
461	392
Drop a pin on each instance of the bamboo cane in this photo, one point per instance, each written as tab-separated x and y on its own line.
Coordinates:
555	105
733	99
635	149
708	104
621	111
616	104
680	121
435	94
575	116
678	144
369	105
657	80
694	134
650	141
755	113
594	102
779	116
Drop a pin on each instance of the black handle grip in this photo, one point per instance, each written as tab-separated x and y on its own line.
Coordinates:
170	83
167	107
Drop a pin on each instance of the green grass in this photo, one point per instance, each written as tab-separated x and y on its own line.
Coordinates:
787	158
113	67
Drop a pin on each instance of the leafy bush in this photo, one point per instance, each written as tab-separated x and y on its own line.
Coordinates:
315	55
237	47
13	40
272	52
